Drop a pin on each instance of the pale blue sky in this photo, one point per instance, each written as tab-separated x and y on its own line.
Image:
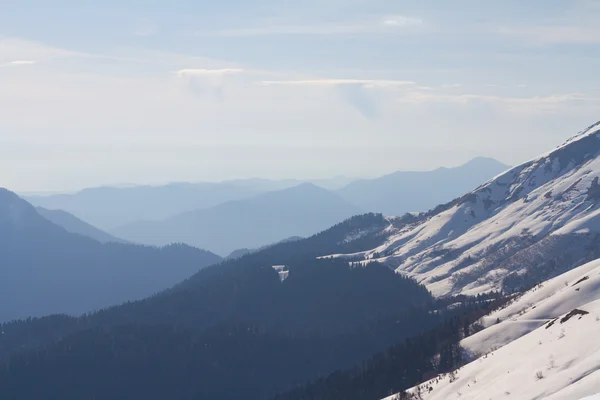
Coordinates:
151	91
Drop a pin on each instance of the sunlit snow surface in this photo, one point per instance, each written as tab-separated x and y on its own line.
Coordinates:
526	356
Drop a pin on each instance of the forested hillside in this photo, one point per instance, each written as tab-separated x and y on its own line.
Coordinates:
47	270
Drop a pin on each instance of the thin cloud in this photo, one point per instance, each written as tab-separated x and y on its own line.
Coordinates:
369	83
17	63
385	25
355	92
494	85
539	101
553	35
210	82
23	51
360	99
401	21
451	85
189	72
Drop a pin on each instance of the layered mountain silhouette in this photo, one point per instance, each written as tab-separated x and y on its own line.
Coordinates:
46	269
251	223
242	252
72	224
415	191
112	207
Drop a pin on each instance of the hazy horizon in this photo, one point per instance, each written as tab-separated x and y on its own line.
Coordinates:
71	190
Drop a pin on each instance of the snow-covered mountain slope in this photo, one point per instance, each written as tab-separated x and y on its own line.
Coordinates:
536	307
561	361
543	345
532	222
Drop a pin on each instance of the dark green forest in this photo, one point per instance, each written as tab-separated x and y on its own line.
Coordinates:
406	363
240	361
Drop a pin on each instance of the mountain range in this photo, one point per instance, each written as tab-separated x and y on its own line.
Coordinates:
492	294
72	224
47	270
212	216
414	191
111	207
528	232
532	222
298	211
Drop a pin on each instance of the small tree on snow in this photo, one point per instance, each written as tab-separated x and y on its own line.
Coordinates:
539	375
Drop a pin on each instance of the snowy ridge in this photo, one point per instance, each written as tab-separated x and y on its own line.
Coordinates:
506	228
545	347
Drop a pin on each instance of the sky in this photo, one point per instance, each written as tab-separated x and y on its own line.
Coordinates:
148	92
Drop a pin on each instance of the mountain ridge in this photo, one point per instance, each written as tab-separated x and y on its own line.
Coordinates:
75	225
48	270
250	223
417	191
492	237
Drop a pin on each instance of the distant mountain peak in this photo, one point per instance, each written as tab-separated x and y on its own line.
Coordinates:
480	160
419	191
306	186
312	189
301	210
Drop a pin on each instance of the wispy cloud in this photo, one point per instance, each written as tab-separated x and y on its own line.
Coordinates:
18	52
208	81
540	102
355	92
553	34
208	72
382	25
401	21
368	83
495	85
17	63
25	51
